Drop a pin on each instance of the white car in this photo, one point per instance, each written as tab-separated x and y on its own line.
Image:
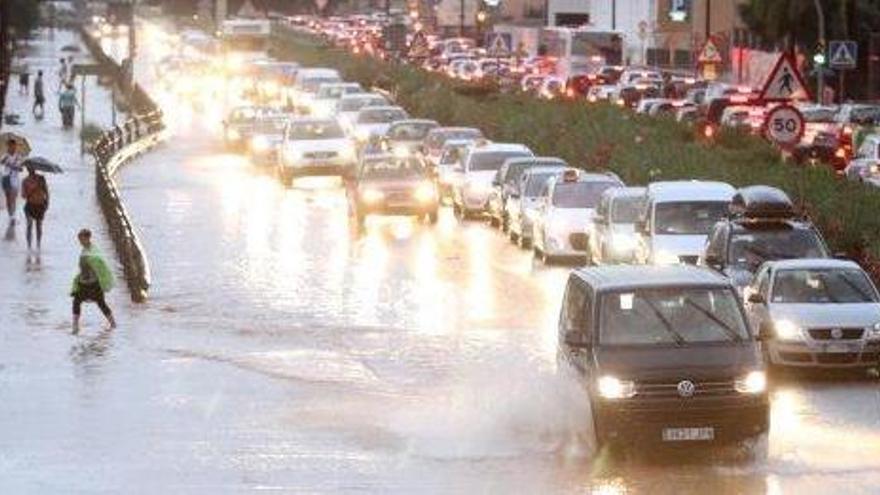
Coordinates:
614	238
373	122
817	313
324	102
405	137
677	219
315	146
865	166
473	180
523	207
451	154
561	227
348	106
307	82
267	135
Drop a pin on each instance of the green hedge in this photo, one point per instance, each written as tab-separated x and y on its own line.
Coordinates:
638	148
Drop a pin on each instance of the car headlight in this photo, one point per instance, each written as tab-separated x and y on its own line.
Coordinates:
425	192
348	152
362	135
665	258
623	242
755	382
233	135
260	144
614	388
786	330
400	151
874	332
372	195
291	154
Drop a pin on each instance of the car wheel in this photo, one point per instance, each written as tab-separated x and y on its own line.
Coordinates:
513	237
494	222
432	217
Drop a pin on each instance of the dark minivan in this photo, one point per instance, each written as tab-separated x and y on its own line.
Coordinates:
666	354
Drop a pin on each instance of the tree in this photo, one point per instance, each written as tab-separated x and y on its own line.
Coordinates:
23	16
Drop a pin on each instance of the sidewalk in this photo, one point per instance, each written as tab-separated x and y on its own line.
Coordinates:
34	301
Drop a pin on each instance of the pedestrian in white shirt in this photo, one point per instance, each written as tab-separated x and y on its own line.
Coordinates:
11	179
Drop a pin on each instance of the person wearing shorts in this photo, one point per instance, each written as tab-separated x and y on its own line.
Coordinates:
35	192
11	170
93	281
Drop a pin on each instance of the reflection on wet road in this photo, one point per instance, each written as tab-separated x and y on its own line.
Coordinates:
283	350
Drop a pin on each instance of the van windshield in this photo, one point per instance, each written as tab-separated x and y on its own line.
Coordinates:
676	316
688	218
580	194
537	183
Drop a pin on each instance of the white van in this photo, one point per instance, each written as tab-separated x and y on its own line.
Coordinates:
677	219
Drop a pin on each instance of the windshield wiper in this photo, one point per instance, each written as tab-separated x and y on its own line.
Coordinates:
679	340
734	336
865	296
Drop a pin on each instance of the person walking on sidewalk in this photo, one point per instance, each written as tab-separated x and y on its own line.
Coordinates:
35	192
62	74
39	96
24	82
67	105
94	280
11	163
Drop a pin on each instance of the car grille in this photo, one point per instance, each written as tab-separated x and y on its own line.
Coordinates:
846	333
398	195
688	260
578	241
670	389
320	155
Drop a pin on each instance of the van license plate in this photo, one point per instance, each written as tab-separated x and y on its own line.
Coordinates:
688	434
837	348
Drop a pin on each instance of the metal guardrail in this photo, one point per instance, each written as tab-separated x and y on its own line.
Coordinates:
111	150
114	148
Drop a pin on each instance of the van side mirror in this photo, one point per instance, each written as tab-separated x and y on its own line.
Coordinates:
713	260
642	226
756	298
576	339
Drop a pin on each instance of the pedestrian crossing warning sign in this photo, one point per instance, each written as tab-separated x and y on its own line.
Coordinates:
785	82
843	54
499	43
419	47
710	53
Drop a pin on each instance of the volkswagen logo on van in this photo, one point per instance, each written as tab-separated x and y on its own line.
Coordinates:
686	388
836	333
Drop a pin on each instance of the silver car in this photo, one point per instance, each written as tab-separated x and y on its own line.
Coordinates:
818	313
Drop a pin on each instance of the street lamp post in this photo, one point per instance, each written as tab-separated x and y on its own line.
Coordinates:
820	76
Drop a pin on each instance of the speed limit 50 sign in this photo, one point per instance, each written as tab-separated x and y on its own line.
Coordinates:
784	125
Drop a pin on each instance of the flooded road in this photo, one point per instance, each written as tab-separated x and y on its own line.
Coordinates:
284	351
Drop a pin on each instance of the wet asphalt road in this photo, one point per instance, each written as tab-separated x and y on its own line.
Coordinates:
284	351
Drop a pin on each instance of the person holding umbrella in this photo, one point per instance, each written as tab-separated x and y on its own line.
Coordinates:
11	163
93	281
35	192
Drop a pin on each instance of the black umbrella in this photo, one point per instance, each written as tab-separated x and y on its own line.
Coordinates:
42	165
70	48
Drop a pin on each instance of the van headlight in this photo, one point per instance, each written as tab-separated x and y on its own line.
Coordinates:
665	258
260	144
425	192
755	382
787	330
612	388
372	196
874	332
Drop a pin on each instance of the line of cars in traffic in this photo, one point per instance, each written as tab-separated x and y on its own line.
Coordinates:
690	288
842	136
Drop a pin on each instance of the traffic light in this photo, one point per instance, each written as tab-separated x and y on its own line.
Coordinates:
819	55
